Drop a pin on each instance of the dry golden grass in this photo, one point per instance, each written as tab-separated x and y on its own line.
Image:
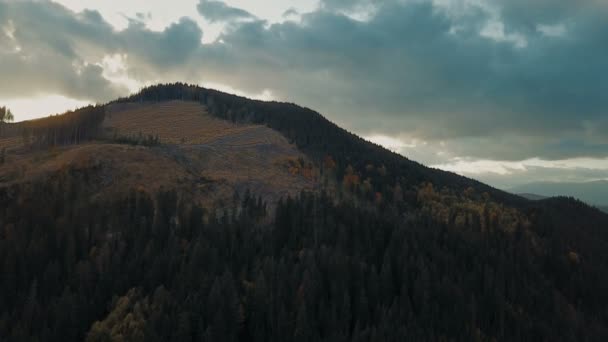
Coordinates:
204	156
175	122
235	156
115	168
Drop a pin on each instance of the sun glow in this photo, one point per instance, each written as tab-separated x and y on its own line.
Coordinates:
41	106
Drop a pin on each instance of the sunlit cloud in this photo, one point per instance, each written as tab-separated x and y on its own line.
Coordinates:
477	167
115	69
506	174
495	30
552	30
391	143
265	95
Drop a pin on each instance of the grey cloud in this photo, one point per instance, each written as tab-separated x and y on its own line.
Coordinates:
289	12
154	54
46	52
218	11
58	51
526	14
47	73
405	71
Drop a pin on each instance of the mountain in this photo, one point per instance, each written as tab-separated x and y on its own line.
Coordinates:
595	193
533	197
183	213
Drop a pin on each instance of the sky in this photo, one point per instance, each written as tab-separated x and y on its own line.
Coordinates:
507	92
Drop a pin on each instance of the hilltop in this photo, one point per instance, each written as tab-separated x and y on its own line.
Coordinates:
183	213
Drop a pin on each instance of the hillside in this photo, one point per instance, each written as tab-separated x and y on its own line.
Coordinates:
595	193
532	197
535	197
183	213
314	135
189	151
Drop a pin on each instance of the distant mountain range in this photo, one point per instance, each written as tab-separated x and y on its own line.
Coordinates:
533	197
594	193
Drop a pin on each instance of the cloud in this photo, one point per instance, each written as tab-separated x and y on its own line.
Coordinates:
154	55
290	12
508	174
218	11
48	49
412	69
525	14
37	60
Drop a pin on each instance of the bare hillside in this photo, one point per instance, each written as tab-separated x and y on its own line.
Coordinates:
174	122
199	154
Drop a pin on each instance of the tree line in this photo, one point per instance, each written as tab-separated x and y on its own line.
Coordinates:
70	128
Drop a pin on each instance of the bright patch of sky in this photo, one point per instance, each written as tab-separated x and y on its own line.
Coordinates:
499	173
393	144
506	174
41	106
265	95
115	70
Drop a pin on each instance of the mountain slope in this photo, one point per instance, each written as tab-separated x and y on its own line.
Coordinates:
314	135
595	193
182	213
188	150
532	197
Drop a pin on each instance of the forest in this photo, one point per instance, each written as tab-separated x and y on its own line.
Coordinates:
158	268
69	128
386	250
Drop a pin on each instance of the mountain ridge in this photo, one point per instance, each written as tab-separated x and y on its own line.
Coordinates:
592	192
219	101
295	126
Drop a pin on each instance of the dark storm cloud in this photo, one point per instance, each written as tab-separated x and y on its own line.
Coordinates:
155	54
217	11
412	69
485	80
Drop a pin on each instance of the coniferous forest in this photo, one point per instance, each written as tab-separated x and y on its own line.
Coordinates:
398	252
